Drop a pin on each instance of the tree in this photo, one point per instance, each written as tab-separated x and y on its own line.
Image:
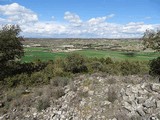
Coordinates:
155	66
10	46
151	39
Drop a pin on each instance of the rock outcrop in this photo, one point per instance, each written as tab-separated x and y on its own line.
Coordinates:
101	97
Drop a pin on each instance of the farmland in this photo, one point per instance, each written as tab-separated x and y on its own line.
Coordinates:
116	49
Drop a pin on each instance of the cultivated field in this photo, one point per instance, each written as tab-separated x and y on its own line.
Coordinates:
49	49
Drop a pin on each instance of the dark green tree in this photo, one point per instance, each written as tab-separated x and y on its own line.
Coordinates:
151	39
155	66
11	48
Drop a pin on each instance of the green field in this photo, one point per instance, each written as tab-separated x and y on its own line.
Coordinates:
32	54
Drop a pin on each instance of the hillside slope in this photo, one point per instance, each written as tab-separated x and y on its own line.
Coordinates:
96	97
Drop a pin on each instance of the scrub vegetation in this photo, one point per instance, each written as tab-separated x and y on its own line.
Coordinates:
40	66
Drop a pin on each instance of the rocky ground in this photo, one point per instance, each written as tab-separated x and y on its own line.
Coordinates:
99	97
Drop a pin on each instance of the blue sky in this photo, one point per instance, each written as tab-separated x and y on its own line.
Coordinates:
81	18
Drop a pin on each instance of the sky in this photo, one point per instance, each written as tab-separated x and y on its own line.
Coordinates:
81	18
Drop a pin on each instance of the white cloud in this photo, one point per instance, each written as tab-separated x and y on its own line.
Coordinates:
44	28
98	20
138	27
2	19
72	18
74	27
16	13
111	15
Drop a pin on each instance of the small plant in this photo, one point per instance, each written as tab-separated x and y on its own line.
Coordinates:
14	93
72	86
87	82
59	81
111	81
83	94
108	60
112	95
96	66
43	104
112	68
58	92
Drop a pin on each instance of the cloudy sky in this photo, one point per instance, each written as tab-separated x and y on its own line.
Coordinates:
81	18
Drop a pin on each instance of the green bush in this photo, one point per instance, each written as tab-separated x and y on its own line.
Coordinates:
12	81
39	78
55	69
96	66
58	71
108	60
75	63
102	60
130	67
113	69
155	66
17	80
42	72
126	67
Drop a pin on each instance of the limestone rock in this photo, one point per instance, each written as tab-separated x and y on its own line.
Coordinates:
128	106
90	92
140	111
155	87
149	103
138	101
158	104
107	102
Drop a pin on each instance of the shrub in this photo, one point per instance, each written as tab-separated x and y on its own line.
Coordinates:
155	66
16	80
113	69
24	79
59	81
112	94
55	68
83	94
72	86
12	81
130	67
96	66
75	63
43	104
38	78
102	60
58	71
108	60
14	93
58	92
